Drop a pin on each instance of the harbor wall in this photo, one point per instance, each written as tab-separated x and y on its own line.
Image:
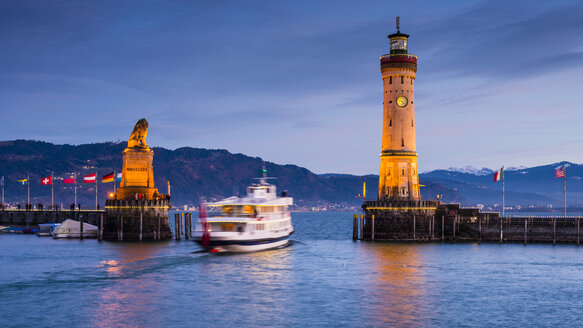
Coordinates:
24	218
433	221
135	220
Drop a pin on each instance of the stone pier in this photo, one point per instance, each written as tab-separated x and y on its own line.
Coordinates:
426	221
122	220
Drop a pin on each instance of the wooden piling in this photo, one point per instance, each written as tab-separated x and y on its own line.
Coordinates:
578	229
554	231
372	226
177	225
361	226
121	224
186	226
454	222
432	227
442	227
158	227
101	227
414	228
355	227
118	227
141	222
501	231
501	236
80	225
525	230
480	229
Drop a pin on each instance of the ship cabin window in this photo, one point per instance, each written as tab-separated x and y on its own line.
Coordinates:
259	227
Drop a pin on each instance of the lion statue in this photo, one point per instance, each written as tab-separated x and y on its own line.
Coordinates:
138	136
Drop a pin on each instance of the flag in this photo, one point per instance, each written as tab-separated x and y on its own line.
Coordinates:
107	178
118	179
69	180
560	172
90	178
23	181
499	175
47	181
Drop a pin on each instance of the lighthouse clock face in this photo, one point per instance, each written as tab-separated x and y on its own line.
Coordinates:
402	101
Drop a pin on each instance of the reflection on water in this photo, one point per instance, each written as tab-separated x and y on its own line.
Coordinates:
397	290
131	294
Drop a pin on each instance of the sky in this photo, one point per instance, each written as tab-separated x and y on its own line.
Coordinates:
297	82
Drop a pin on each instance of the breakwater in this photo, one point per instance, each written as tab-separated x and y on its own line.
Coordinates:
427	221
29	218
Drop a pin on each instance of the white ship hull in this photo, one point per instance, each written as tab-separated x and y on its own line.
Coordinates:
243	243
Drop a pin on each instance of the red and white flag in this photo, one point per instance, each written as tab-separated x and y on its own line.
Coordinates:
560	172
47	181
499	175
90	178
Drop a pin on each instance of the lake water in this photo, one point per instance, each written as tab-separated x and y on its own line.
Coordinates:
323	279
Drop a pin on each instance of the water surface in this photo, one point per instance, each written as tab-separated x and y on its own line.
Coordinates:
323	279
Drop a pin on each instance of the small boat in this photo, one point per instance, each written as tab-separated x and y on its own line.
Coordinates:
72	229
13	230
46	229
261	220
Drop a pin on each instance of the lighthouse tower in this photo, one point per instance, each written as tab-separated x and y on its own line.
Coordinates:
398	178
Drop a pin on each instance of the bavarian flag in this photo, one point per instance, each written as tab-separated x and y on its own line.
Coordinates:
107	178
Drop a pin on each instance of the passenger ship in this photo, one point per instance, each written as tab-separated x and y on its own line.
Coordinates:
261	220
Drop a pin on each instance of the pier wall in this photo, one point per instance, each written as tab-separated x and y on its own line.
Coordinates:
134	220
434	221
24	218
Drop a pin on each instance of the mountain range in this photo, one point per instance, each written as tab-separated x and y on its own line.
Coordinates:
212	174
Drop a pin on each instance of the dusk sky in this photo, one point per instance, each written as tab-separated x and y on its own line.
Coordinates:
298	82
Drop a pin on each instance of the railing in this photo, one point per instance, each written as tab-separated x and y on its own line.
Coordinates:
398	58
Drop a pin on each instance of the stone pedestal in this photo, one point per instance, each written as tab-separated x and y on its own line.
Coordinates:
122	220
137	174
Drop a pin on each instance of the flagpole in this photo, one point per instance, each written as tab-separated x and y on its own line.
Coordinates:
95	190
52	194
114	180
28	188
565	189
3	191
75	203
502	194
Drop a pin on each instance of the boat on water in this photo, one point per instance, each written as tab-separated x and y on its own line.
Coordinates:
46	229
258	221
72	229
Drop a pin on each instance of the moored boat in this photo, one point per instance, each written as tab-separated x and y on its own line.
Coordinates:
258	221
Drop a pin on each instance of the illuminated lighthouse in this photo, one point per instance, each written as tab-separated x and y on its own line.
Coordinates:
398	178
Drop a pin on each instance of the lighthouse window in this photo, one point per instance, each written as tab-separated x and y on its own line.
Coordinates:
412	123
391	122
402	77
402	142
390	80
402	171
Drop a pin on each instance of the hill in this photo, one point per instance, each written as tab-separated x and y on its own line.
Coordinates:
192	172
216	173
